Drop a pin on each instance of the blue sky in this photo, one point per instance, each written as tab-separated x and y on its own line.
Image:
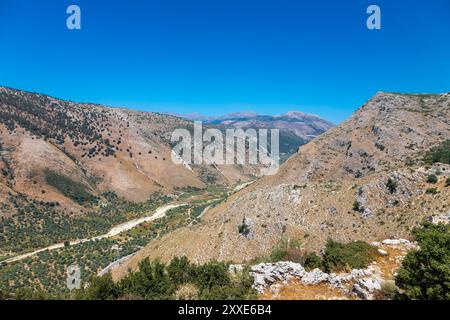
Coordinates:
220	56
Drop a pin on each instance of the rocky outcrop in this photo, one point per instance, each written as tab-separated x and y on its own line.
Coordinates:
358	283
268	274
365	288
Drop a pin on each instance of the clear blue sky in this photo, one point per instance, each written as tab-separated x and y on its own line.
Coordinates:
220	56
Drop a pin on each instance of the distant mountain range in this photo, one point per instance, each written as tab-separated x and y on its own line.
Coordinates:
296	128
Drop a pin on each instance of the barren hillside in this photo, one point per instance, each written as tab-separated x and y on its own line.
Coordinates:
61	161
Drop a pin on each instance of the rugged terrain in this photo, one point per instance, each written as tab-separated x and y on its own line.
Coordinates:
365	179
71	173
62	163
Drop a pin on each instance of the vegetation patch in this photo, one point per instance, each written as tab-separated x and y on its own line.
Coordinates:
425	273
391	185
344	257
440	154
432	178
69	188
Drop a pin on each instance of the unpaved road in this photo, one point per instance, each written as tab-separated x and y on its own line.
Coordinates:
159	213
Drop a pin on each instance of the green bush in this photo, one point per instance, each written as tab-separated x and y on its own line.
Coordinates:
440	154
431	191
102	288
432	178
243	229
353	255
391	185
180	270
357	207
447	182
157	281
151	282
285	250
312	261
425	273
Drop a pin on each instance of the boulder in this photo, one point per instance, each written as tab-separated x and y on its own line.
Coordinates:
366	287
314	277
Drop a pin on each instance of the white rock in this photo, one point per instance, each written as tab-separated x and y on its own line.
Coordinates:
395	242
266	274
382	252
365	288
314	277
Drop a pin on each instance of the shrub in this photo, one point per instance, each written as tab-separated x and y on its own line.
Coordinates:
447	182
102	288
178	280
353	255
239	288
312	261
425	273
179	270
391	185
431	191
357	206
243	228
285	250
440	154
211	274
432	178
151	282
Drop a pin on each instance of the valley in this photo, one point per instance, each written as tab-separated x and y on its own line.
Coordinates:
94	187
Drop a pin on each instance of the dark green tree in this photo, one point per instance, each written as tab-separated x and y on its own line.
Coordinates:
425	273
102	288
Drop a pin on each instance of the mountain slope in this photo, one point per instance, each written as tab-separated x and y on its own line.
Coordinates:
363	180
62	161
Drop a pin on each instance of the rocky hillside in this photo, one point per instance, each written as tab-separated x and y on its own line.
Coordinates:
296	128
365	179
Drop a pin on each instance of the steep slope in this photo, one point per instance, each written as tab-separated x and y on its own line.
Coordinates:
363	180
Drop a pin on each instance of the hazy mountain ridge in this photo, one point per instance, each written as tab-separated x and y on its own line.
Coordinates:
296	128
